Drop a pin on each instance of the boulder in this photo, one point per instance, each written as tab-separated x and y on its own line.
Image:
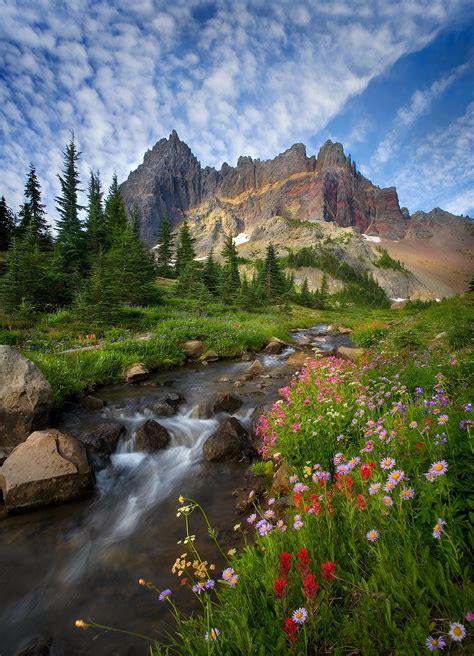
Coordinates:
227	403
137	373
304	341
48	467
297	359
193	348
227	443
274	347
246	377
210	356
103	438
165	406
26	397
342	330
281	485
4	453
92	403
256	368
151	436
349	353
246	357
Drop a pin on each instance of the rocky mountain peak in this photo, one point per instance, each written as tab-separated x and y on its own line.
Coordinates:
331	155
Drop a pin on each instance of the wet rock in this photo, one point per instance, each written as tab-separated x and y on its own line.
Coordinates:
161	409
35	647
224	380
4	453
256	368
211	356
227	443
151	436
281	485
199	411
342	330
193	348
227	403
304	341
92	403
246	357
103	438
26	398
274	347
137	373
48	467
297	359
246	377
238	383
347	353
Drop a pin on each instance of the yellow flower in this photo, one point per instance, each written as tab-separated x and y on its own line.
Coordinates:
141	582
181	499
80	624
232	552
237	526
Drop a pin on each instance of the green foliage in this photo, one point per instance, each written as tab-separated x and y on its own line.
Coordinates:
387	262
185	252
32	212
460	333
96	227
115	214
229	275
164	252
7	225
271	279
369	337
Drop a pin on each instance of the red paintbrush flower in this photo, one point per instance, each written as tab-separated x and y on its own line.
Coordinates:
310	586
291	629
328	570
279	588
285	564
361	505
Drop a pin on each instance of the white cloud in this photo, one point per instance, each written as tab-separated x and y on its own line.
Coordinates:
251	79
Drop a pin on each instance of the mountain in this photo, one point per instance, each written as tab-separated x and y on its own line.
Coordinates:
294	200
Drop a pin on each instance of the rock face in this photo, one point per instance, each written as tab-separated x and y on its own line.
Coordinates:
227	443
26	397
48	467
151	436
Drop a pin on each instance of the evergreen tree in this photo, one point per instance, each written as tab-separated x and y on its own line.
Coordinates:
211	274
305	296
165	249
230	278
324	291
101	298
96	228
185	253
272	279
32	212
115	213
7	225
136	221
70	238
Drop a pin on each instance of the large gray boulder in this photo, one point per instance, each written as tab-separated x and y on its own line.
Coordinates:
151	436
26	397
227	443
48	467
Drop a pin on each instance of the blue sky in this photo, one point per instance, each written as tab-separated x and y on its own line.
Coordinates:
392	80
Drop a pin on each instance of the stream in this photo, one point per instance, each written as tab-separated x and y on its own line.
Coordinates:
83	559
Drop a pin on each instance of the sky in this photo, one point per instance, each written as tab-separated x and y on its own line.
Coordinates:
393	81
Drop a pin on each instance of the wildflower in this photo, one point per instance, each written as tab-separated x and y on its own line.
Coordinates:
300	487
369	446
233	580
199	587
435	644
285	564
439	468
469	616
271	501
407	493
237	526
468	407
164	594
293	478
430	477
443	419
310	586
80	624
279	588
438	528
389	485
281	526
291	629
353	462
303	557
328	570
457	632
264	527
413	424
361	505
181	499
372	535
387	501
232	552
212	635
387	463
396	476
374	488
300	615
251	519
141	582
297	524
228	573
210	583
268	514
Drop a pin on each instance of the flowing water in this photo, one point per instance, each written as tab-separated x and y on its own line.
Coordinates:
84	559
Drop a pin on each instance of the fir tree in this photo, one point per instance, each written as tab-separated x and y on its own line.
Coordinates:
272	279
24	280
164	255
96	228
211	274
230	278
185	253
101	298
70	238
32	212
115	213
305	296
324	291
7	225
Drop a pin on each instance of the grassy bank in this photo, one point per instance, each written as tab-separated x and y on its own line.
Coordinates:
368	550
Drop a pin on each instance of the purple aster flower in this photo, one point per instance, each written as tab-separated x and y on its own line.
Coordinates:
435	644
439	468
199	587
212	635
468	407
375	488
164	594
387	501
443	419
372	535
407	493
251	519
438	528
269	514
457	632
387	463
210	583
300	615
228	573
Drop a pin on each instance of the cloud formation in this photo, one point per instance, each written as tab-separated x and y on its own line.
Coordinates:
247	77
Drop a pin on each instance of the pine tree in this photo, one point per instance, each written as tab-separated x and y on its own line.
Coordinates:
305	296
32	212
96	228
324	291
185	249
24	280
230	278
7	225
115	212
70	238
101	298
211	274
164	255
272	279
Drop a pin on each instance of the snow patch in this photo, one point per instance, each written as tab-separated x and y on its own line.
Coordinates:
241	238
372	238
398	300
200	259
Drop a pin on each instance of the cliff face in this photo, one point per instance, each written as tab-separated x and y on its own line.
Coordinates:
327	187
